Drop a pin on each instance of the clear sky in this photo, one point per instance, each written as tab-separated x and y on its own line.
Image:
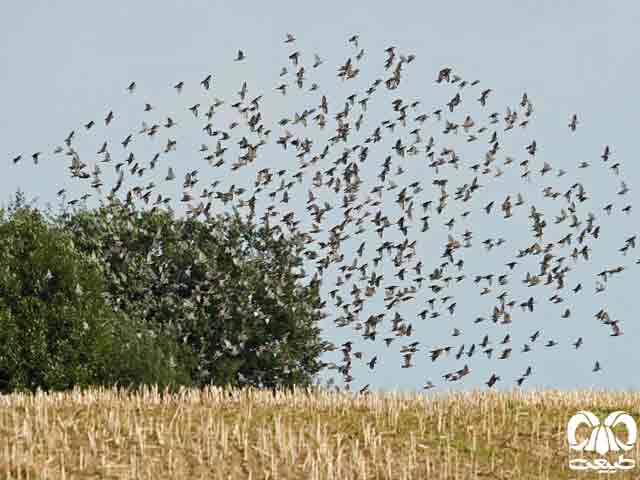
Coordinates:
65	63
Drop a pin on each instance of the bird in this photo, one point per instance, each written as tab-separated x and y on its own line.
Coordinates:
127	140
360	233
371	364
492	380
206	82
574	122
407	360
194	109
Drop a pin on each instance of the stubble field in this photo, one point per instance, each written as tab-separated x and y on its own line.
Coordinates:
313	434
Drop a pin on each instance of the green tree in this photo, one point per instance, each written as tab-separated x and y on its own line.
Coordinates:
57	328
228	289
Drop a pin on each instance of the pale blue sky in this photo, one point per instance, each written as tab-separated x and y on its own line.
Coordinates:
66	63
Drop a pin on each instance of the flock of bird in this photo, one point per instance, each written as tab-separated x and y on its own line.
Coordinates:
363	218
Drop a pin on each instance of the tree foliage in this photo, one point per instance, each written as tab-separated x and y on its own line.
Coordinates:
114	295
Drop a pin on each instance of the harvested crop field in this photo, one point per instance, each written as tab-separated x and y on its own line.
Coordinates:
313	434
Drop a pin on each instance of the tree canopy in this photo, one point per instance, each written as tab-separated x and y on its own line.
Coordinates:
115	295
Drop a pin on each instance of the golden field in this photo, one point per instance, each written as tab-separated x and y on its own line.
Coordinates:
305	434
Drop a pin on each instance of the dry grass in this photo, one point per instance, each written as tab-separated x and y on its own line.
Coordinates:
252	434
